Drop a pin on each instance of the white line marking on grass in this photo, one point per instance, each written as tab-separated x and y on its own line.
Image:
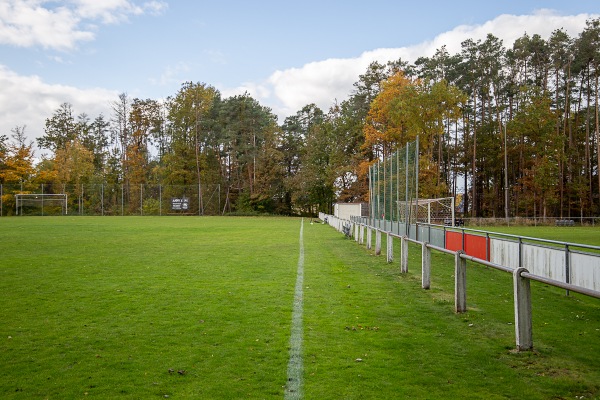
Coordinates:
293	389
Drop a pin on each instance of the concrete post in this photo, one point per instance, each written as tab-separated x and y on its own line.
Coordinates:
356	232
425	266
390	248
377	242
523	325
404	255
369	238
460	283
361	234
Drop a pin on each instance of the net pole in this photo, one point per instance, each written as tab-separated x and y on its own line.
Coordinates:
417	180
398	189
384	194
42	199
370	195
391	191
373	195
1	200
378	194
406	209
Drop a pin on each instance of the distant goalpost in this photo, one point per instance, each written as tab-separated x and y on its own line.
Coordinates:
45	202
438	211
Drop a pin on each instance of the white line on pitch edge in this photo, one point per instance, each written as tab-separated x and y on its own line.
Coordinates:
293	388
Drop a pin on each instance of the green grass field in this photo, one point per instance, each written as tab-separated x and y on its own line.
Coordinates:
150	307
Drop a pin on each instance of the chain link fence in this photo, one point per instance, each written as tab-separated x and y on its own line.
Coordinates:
393	185
111	199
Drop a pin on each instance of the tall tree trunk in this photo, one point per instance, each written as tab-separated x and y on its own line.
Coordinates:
474	199
596	126
562	148
588	152
567	130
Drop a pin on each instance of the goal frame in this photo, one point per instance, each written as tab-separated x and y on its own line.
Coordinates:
415	208
33	198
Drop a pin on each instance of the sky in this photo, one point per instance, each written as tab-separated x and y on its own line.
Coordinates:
285	54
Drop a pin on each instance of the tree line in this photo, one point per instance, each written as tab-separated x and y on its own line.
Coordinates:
515	130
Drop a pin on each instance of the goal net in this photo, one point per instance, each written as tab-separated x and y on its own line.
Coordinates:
430	211
41	204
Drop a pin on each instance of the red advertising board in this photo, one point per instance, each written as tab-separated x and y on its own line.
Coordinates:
454	240
474	245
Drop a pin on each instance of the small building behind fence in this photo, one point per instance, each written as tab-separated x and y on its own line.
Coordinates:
347	210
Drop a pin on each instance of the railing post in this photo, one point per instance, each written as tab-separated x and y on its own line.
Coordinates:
377	242
404	255
425	266
390	248
356	231
361	234
567	265
520	252
523	325
460	283
369	237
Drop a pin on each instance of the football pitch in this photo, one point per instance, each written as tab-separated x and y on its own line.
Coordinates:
225	308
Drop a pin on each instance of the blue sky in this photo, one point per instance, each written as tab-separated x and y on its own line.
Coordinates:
286	54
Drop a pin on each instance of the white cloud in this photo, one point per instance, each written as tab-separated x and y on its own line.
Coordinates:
155	7
29	23
26	23
27	100
114	11
172	74
322	82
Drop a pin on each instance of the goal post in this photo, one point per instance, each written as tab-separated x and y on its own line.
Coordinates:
44	202
440	211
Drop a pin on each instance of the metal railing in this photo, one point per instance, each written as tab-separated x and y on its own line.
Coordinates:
521	276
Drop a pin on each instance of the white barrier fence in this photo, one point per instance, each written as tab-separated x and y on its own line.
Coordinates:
575	271
573	263
565	265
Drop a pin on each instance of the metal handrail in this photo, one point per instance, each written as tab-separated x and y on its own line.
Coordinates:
528	275
558	242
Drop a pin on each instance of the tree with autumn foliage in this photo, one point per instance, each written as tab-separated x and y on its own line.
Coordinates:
407	108
16	158
16	164
189	133
386	129
74	165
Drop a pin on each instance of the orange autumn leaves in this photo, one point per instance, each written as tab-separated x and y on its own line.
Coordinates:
406	108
